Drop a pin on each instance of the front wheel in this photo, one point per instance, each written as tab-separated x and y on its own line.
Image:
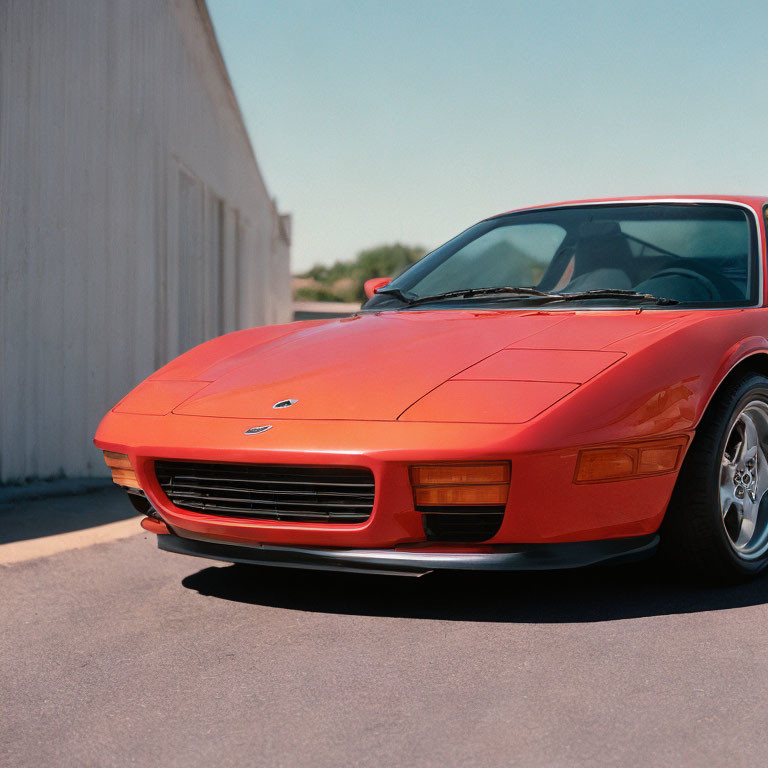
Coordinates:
716	526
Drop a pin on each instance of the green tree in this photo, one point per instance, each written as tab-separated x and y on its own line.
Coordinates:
343	281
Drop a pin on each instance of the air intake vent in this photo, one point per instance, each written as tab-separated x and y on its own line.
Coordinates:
461	524
269	492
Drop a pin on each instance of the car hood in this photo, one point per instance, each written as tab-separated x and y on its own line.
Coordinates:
375	366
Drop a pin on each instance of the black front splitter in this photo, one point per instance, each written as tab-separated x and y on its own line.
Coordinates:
523	557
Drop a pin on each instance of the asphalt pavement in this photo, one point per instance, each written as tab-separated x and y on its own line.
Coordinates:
114	653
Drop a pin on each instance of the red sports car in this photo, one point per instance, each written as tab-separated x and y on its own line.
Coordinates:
554	387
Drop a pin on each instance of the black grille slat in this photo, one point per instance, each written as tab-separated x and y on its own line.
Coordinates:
207	478
276	473
269	492
330	494
206	497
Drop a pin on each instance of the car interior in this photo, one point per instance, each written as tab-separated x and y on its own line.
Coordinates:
602	256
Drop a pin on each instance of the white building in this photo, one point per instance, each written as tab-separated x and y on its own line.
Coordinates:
134	221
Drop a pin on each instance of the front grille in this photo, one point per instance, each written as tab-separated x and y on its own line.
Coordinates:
269	492
461	524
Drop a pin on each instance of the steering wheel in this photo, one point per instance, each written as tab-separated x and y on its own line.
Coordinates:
691	274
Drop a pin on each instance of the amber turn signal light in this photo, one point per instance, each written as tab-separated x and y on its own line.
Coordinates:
122	472
623	462
466	495
449	474
439	485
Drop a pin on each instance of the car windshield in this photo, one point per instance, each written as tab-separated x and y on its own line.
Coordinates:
700	254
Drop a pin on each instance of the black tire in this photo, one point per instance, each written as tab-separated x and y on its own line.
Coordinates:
694	540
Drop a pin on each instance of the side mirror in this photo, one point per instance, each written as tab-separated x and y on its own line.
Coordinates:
371	286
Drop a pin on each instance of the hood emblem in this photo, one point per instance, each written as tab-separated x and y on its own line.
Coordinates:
257	430
285	403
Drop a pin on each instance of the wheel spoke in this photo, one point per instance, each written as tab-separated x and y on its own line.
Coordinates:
727	472
732	518
748	523
751	440
726	499
762	474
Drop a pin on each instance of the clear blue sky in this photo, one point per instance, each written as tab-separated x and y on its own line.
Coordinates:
407	120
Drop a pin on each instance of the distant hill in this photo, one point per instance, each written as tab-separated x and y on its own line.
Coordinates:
343	281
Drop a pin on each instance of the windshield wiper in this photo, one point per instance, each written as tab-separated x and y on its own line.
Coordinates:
517	291
615	293
466	293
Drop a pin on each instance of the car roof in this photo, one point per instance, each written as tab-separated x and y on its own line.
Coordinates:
754	201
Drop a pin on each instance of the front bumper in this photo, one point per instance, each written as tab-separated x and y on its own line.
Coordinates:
525	557
544	504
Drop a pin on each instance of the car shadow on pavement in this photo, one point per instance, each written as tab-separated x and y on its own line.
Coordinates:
586	595
50	509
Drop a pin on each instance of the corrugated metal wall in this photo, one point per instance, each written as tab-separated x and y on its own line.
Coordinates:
134	222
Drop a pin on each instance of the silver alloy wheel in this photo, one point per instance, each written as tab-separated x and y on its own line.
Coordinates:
744	482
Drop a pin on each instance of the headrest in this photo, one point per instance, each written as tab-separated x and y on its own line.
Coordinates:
590	229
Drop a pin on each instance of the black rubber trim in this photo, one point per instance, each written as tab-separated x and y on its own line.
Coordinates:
524	557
